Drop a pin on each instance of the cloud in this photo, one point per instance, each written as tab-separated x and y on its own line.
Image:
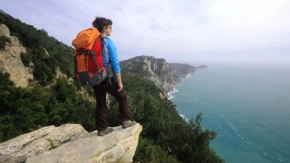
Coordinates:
171	29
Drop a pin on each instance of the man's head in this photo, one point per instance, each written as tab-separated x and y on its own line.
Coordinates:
103	25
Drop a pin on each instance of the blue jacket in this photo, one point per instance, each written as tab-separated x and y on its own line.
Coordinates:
112	55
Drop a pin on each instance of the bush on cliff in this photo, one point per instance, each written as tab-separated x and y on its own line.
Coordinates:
3	40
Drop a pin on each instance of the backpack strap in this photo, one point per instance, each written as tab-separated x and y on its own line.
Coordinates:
76	67
93	55
95	61
107	56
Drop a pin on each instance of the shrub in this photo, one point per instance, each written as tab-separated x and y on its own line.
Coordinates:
25	58
3	39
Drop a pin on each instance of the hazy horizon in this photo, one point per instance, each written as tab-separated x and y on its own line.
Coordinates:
199	32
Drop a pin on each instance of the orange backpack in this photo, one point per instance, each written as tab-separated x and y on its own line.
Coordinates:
89	64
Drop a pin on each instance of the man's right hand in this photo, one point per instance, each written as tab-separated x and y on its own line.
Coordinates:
120	87
119	81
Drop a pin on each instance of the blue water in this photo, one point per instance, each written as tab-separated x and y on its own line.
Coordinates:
248	107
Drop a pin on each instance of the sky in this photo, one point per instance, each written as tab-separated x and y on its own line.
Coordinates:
185	31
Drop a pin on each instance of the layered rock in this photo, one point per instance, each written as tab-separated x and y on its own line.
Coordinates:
4	30
183	70
154	69
10	60
24	146
71	143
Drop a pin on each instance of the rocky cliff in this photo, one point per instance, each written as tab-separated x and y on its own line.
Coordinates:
154	69
183	70
10	60
71	143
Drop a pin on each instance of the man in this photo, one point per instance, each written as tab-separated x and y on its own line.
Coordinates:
113	84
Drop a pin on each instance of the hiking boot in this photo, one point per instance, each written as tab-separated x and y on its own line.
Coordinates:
128	123
102	133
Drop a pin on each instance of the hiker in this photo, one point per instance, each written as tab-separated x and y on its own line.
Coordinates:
112	84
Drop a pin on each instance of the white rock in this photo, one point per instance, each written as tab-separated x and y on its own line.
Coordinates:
118	146
10	60
16	150
4	30
73	143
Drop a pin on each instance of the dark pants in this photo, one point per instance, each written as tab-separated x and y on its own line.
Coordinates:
100	93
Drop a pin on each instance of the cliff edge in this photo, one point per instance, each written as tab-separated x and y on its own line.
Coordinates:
71	143
155	69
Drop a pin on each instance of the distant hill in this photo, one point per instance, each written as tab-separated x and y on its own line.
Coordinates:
183	70
1	11
154	69
202	67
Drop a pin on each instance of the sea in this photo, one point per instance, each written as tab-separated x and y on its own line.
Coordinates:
247	105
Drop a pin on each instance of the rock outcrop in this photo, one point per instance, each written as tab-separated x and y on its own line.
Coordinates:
4	30
183	70
10	60
71	143
154	69
30	144
202	67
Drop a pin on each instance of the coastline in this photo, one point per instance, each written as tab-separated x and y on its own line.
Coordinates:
236	116
169	94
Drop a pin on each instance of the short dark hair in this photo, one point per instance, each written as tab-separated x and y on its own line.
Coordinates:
101	22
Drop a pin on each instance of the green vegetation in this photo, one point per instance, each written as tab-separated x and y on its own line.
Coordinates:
166	137
37	42
26	59
3	39
147	152
52	146
23	110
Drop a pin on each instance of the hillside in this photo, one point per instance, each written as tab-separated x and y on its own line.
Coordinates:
183	70
202	67
154	69
43	55
53	98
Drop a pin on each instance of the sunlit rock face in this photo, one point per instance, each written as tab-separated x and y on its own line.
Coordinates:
71	143
10	60
154	69
183	70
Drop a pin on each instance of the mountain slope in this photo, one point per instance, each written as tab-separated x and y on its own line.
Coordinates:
183	70
43	53
154	69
